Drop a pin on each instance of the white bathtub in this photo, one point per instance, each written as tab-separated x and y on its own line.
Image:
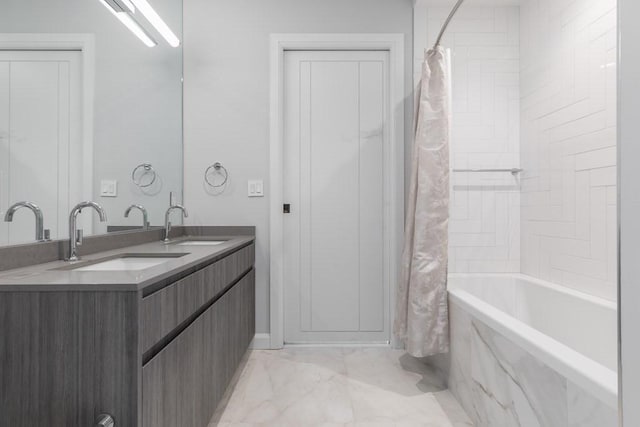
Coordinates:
573	333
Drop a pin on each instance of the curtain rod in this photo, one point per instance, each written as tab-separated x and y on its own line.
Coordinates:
446	22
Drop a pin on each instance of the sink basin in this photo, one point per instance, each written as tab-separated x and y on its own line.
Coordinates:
201	243
120	264
128	262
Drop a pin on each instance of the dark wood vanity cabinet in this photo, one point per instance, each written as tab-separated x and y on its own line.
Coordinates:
154	358
182	384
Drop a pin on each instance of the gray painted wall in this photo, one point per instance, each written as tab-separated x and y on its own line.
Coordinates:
226	95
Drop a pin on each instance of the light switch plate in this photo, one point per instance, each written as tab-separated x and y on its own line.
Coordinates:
255	188
108	188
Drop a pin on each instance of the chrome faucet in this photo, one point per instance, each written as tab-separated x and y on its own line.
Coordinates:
75	235
145	215
42	235
167	223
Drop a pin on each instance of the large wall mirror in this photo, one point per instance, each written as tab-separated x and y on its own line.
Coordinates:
90	109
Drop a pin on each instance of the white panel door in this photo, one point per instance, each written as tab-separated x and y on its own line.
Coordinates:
40	139
336	250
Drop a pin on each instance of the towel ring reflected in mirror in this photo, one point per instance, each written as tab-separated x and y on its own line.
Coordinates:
219	169
142	170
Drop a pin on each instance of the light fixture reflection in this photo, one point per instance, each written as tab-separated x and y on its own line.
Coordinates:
158	23
122	10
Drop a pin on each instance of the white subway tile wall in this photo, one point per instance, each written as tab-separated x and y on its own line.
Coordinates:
568	143
533	86
485	207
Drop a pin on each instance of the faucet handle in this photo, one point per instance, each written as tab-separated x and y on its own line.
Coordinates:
47	235
79	237
168	228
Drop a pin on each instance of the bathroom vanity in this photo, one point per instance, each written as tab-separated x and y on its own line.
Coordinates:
150	334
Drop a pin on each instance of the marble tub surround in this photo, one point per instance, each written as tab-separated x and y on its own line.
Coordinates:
339	387
586	411
459	374
500	384
56	275
512	388
571	332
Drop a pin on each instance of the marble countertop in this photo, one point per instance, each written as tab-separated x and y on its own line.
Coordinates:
56	276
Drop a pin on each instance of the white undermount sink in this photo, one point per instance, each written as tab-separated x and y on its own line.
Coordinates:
129	263
201	243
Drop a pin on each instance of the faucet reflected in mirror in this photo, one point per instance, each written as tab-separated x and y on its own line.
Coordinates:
167	223
62	107
42	235
145	215
75	235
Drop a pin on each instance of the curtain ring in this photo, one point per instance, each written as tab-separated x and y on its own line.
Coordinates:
220	169
148	169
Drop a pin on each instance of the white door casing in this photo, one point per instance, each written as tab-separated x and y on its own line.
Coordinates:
394	164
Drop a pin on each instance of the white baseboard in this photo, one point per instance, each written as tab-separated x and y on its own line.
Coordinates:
340	345
261	342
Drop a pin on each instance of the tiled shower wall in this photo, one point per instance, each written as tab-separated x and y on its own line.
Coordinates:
534	85
485	207
568	142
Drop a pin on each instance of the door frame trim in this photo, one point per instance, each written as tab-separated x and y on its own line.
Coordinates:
279	43
84	43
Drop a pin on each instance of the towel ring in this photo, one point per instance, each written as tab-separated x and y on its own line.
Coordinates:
220	169
147	169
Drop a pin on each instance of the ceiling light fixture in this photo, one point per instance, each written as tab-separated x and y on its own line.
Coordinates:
152	16
122	10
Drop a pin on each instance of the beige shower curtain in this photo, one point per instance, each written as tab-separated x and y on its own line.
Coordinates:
422	314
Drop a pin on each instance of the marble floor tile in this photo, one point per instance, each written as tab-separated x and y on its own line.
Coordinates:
451	407
392	370
284	387
359	387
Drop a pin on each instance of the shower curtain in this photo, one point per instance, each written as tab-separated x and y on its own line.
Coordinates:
422	314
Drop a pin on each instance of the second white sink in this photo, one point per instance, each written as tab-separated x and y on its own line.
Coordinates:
201	243
124	264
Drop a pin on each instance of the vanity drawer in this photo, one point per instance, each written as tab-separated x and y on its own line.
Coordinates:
166	309
184	382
